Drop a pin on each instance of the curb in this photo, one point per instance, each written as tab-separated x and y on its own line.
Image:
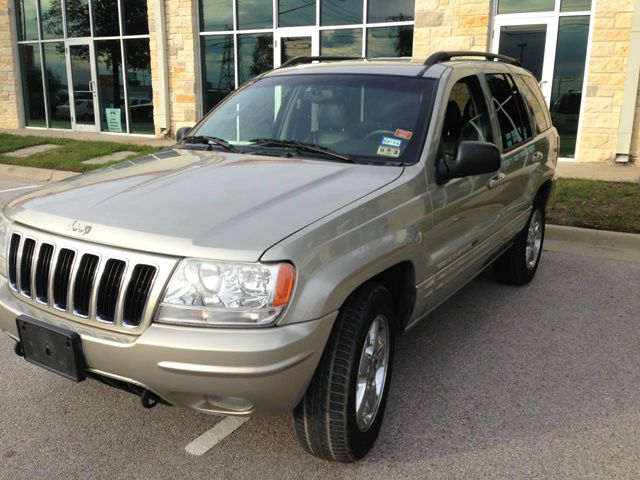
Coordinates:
34	174
594	238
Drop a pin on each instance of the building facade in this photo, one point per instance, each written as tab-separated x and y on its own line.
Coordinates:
149	67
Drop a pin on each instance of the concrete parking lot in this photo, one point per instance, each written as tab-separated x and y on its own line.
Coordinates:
541	381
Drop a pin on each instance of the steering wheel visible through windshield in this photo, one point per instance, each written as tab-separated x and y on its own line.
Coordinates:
359	118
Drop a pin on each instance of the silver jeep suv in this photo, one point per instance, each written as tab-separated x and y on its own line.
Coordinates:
266	263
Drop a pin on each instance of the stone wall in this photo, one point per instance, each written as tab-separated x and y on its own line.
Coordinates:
450	25
182	38
605	81
9	103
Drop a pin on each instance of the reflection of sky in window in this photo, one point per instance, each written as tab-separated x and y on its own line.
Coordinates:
217	15
55	59
341	12
254	14
519	6
388	11
571	53
346	42
29	20
294	13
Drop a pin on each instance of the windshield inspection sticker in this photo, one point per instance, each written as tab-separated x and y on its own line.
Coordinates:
386	151
404	134
391	142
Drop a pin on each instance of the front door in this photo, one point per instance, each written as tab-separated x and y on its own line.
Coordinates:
554	49
83	97
295	42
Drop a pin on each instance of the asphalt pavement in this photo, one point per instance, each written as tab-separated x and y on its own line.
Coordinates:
540	381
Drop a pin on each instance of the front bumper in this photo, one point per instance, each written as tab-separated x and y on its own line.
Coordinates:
199	368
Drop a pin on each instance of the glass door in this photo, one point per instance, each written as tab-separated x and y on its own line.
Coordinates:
532	40
554	49
295	42
82	78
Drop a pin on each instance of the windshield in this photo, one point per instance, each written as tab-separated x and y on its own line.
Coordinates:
366	118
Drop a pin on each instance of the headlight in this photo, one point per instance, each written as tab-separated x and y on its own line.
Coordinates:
4	230
208	293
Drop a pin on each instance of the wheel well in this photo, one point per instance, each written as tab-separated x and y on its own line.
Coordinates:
400	281
544	192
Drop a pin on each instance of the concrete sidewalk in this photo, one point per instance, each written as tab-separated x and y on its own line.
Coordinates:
599	171
96	137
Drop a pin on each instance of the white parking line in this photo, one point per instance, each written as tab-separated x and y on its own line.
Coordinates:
211	438
18	188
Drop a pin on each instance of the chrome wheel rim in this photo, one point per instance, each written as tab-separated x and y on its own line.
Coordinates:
534	240
372	373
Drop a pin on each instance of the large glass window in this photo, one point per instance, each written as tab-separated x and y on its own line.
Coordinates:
332	27
254	14
568	79
216	15
57	87
105	18
219	70
139	89
343	42
27	19
110	84
136	21
390	41
78	20
51	14
32	91
575	5
526	43
296	13
255	55
521	6
386	11
343	12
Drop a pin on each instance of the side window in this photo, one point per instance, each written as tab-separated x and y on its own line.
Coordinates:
509	107
466	117
535	101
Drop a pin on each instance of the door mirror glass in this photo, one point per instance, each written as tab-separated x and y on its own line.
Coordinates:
182	132
474	158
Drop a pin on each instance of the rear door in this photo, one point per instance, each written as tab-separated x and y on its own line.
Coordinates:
523	149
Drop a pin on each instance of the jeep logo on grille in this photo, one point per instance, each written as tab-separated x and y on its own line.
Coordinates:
78	227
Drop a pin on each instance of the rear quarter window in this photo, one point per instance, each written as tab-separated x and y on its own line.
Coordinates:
535	102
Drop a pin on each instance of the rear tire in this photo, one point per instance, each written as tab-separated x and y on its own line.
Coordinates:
354	373
518	265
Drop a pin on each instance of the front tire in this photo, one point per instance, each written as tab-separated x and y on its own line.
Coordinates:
341	413
518	265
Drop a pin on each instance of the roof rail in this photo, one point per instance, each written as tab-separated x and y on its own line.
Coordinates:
438	57
301	60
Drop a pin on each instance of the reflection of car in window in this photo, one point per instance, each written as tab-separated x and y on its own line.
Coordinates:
565	112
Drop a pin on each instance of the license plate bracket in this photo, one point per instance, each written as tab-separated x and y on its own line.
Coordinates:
52	347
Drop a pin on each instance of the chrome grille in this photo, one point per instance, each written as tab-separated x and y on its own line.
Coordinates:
88	283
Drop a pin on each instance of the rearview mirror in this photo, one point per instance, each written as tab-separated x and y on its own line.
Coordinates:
474	158
182	132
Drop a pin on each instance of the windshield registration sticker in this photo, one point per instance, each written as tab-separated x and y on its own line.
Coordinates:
404	134
387	151
391	142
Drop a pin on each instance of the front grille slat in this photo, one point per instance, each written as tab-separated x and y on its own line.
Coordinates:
137	294
26	265
61	278
13	260
109	289
84	284
43	269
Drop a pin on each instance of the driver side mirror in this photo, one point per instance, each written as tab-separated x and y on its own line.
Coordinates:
182	132
473	158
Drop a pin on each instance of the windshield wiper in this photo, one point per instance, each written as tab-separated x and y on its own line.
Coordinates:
302	147
208	140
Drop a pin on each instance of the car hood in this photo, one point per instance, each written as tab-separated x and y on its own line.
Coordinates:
198	203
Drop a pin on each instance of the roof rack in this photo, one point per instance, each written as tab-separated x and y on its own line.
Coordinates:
301	60
438	57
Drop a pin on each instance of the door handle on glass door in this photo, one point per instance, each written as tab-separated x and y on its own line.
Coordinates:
92	86
497	180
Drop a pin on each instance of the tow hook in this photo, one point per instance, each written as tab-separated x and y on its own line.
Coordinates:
18	349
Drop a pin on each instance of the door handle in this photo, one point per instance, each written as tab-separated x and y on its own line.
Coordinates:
537	156
497	180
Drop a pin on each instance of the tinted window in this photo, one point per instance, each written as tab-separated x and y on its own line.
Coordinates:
510	110
340	112
390	11
344	12
535	103
390	41
466	117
